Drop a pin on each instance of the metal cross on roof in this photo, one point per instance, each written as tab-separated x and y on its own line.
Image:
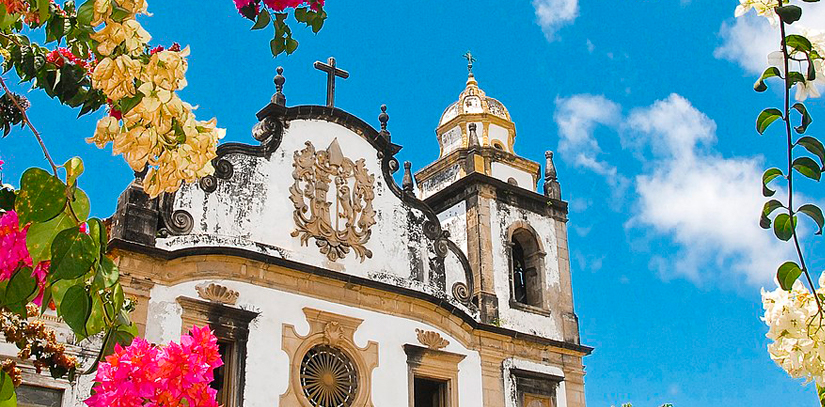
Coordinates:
470	60
332	71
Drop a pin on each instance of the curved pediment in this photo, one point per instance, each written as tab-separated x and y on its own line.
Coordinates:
319	190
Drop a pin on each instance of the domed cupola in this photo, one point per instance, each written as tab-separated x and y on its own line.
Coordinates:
494	128
476	135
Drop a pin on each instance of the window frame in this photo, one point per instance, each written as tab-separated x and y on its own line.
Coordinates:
534	261
435	365
230	325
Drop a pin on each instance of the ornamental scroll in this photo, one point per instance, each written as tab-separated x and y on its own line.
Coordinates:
338	223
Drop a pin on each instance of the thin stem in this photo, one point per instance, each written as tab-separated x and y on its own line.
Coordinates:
31	126
787	119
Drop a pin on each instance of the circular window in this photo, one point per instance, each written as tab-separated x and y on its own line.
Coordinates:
328	377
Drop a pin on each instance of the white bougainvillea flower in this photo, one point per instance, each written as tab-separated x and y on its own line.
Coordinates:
764	8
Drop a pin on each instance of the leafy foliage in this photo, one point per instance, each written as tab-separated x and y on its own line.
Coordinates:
268	12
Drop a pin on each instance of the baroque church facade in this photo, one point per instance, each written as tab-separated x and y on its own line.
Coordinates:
329	284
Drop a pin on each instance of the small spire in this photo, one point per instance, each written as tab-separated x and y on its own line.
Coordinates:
407	181
384	118
279	98
473	137
552	189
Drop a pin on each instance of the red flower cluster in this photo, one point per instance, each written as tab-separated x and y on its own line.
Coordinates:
277	5
174	48
172	376
60	56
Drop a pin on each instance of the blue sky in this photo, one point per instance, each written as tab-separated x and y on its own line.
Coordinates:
648	105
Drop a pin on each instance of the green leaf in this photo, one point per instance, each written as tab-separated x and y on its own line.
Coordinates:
107	272
813	146
787	274
73	254
760	86
291	45
767	117
6	386
21	286
59	289
815	214
770	206
123	336
783	226
808	167
277	46
43	10
97	231
74	167
798	43
789	14
127	104
75	309
41	196
769	175
795	77
264	18
96	322
806	118
119	13
40	236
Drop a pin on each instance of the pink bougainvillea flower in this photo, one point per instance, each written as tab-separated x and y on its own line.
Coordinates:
146	375
40	273
13	251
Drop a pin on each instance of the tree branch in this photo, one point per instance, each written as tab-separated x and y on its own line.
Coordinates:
31	126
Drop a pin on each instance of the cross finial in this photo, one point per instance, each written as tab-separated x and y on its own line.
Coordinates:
332	71
470	59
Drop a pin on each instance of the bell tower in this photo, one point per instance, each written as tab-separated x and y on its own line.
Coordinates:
515	238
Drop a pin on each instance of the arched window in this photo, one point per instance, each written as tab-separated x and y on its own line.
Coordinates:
526	268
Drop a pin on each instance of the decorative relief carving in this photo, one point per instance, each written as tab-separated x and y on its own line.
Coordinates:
431	339
217	293
339	223
330	339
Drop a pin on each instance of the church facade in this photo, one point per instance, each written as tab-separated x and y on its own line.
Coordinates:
329	284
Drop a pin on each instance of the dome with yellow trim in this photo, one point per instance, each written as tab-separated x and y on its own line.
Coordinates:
475	119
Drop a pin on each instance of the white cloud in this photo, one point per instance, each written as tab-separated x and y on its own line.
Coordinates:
551	15
590	46
577	117
748	40
706	203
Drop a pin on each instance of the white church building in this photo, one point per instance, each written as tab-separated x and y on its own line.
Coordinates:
330	285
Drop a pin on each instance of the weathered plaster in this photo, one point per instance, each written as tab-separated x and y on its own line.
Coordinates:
267	366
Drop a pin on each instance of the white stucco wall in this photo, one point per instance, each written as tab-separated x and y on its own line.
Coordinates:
454	220
503	172
451	140
496	132
502	216
253	211
267	371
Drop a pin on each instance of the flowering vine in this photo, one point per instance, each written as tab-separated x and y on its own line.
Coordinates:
794	312
266	12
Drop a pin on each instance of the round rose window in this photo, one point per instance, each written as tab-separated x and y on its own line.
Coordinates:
328	377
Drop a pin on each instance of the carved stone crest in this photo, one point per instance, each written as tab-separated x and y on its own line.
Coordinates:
333	197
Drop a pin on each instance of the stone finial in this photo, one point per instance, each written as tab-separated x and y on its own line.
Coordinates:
217	293
384	118
473	137
431	339
279	98
407	181
552	189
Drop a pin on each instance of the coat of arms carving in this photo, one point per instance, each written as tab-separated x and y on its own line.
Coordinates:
333	197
